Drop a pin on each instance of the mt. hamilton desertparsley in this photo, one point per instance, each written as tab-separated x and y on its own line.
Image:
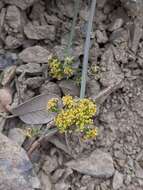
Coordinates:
60	69
77	116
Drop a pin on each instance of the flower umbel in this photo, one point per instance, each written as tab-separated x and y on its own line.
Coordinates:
90	133
77	115
68	101
52	105
60	69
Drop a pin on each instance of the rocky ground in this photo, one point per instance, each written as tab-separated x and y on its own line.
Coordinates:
30	32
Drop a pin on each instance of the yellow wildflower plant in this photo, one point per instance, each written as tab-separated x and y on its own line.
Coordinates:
52	105
32	132
76	115
68	101
91	133
55	68
59	69
68	70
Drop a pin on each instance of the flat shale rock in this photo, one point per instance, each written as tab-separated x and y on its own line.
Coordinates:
117	180
14	17
45	181
23	4
15	166
136	32
35	54
69	87
50	87
13	42
98	164
134	7
34	82
17	135
40	32
112	74
29	68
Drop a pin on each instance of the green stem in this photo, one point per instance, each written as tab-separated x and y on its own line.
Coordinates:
86	50
76	9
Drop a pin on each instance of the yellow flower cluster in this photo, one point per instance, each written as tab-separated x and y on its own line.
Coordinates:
90	133
55	69
59	70
32	132
68	101
52	105
77	113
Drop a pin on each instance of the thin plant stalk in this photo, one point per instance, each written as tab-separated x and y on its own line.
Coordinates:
86	50
72	33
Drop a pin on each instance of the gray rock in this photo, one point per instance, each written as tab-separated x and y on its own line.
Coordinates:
13	17
134	7
62	186
30	68
15	166
34	82
101	3
50	164
35	54
98	164
135	36
101	36
51	88
12	42
8	75
1	5
23	4
116	24
117	180
138	171
45	181
2	123
17	135
119	36
40	32
57	175
93	88
69	87
112	74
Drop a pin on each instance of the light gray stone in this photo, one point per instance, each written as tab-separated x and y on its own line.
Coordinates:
30	68
98	164
17	135
112	74
101	36
116	24
12	42
40	32
34	82
69	87
13	17
50	164
50	87
117	180
8	75
15	166
93	88
138	171
35	54
23	4
45	181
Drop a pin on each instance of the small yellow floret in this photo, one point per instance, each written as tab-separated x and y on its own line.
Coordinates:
52	104
67	101
90	134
